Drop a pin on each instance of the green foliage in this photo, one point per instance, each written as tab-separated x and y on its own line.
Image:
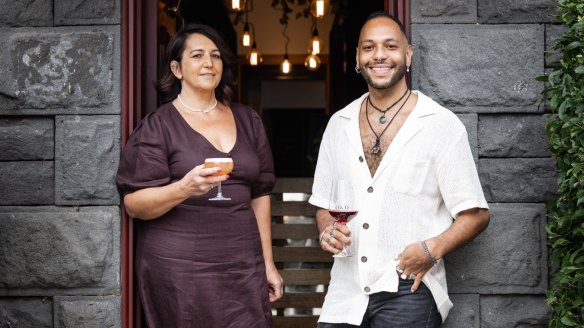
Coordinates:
565	228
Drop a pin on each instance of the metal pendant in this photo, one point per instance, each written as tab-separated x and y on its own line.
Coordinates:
376	148
382	119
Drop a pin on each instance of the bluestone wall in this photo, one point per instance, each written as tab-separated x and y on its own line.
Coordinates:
59	150
479	58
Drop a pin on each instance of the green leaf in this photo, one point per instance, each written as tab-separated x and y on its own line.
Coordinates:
568	321
573	45
579	70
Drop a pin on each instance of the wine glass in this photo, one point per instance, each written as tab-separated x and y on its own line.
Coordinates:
342	206
226	165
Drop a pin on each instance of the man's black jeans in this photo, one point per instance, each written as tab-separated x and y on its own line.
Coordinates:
402	309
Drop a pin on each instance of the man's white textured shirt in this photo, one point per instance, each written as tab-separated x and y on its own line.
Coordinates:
426	177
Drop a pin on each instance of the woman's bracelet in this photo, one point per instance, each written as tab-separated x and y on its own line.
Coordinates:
430	257
321	235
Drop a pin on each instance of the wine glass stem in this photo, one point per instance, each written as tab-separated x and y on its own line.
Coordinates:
219	193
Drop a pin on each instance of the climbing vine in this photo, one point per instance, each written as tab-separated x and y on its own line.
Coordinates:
565	127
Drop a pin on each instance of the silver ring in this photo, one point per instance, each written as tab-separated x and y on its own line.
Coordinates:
330	241
334	225
332	232
399	270
412	276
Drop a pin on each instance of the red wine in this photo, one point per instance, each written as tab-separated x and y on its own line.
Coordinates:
342	216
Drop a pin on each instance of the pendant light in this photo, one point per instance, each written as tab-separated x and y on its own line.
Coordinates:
319	8
254	56
286	66
315	41
312	62
236	5
246	38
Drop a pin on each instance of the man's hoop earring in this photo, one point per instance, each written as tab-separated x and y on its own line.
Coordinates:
357	70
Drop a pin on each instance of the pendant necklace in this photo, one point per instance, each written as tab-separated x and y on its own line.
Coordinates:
377	146
383	119
198	110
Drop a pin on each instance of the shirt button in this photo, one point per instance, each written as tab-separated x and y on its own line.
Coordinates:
370	189
365	225
361	159
364	259
367	289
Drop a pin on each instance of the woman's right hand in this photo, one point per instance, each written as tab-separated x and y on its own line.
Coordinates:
201	180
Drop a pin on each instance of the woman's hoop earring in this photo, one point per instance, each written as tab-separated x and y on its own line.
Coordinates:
357	70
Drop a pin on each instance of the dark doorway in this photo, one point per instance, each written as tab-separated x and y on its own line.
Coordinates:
294	112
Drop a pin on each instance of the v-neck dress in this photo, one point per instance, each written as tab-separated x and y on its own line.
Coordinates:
201	263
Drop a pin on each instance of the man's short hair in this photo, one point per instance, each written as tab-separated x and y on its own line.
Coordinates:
378	14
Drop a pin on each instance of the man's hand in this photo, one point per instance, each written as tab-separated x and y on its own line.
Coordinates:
335	237
413	264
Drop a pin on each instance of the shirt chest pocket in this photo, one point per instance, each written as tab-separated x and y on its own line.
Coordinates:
410	176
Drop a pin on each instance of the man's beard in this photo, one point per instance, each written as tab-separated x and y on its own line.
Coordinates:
395	78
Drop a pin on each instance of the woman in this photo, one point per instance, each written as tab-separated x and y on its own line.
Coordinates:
201	263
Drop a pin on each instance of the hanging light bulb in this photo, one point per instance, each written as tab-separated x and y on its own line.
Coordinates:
254	56
315	42
236	5
312	62
246	38
286	66
319	8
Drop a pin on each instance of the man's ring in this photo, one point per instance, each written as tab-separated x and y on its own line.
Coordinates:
330	241
412	276
334	225
399	270
332	233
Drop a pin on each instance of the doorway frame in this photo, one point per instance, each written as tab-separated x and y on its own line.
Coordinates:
138	59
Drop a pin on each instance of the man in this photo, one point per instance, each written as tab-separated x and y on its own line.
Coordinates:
416	190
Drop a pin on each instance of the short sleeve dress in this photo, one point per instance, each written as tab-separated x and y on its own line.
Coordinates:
200	264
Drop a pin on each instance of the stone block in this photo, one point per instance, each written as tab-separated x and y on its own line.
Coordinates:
87	12
87	158
552	33
509	257
479	68
513	136
82	311
26	13
67	70
506	12
26	139
59	250
465	312
443	12
514	311
518	179
470	122
27	183
26	312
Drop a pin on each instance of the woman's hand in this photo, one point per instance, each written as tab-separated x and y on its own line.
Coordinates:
200	180
275	283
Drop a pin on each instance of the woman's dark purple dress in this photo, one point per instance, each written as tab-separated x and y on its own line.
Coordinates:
200	264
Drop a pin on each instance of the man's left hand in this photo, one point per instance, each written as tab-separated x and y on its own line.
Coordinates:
413	264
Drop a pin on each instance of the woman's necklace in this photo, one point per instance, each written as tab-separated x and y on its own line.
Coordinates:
198	110
377	146
382	119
